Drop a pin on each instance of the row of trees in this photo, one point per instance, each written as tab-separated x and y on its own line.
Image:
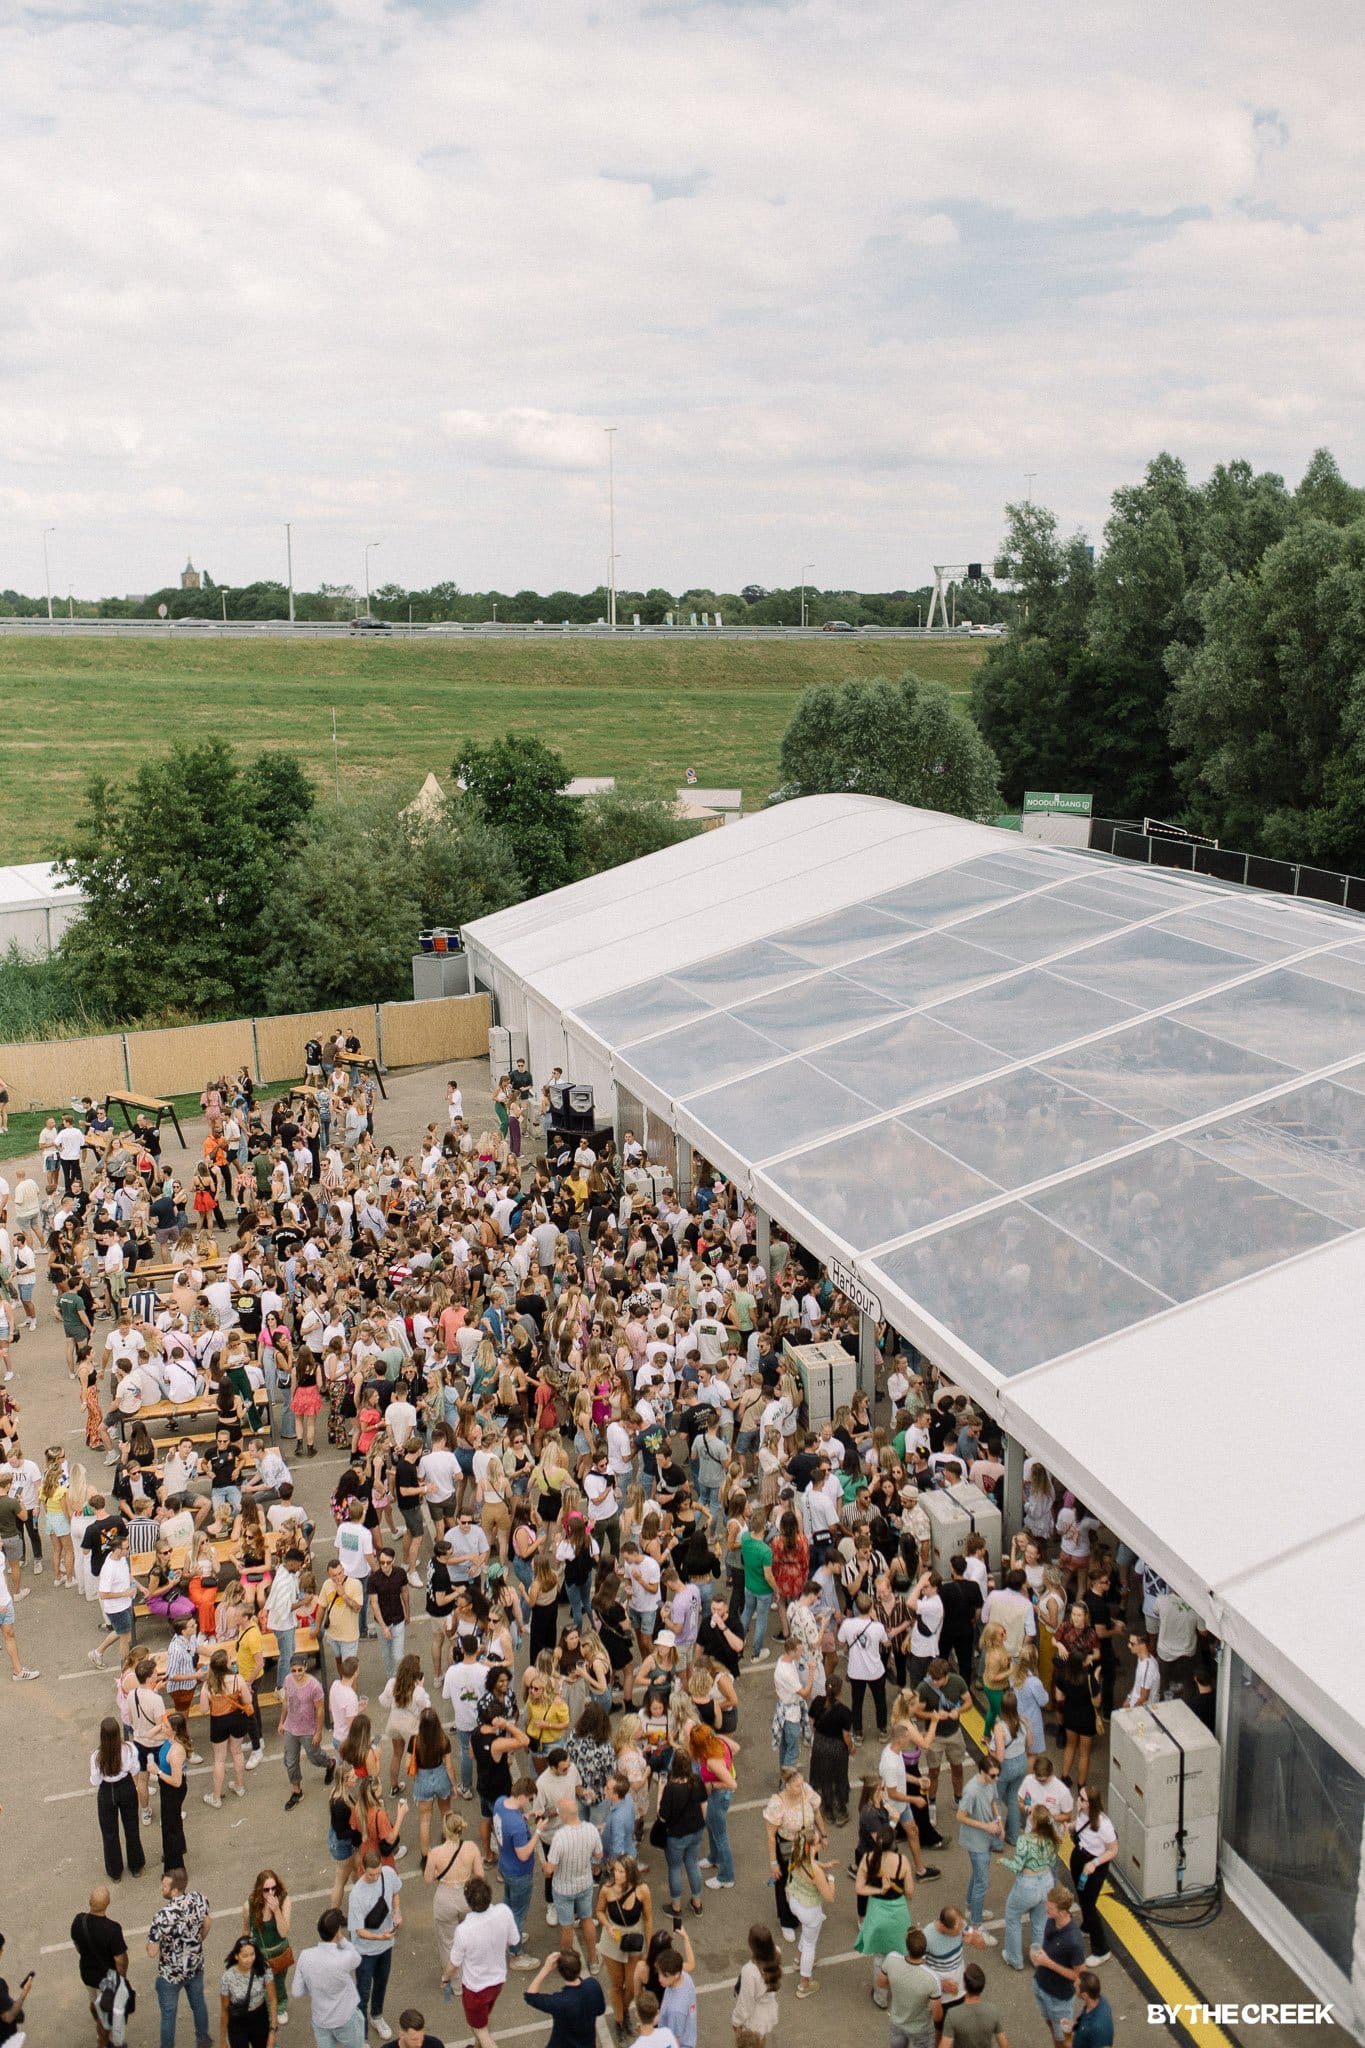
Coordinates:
1208	667
976	603
219	886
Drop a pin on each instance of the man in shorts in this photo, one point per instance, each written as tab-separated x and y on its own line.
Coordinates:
479	1953
1058	1966
115	1596
943	1696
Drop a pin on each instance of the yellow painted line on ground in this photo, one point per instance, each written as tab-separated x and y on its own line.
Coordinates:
1148	1957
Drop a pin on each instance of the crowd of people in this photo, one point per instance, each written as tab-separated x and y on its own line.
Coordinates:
589	1569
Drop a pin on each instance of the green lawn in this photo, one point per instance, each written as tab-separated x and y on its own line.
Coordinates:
644	711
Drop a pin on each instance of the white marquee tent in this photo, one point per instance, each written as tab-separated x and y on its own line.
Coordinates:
36	906
1093	1135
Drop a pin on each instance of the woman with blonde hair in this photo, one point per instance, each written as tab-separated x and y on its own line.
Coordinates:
449	1865
1051	1609
995	1673
1034	1864
54	1500
226	1699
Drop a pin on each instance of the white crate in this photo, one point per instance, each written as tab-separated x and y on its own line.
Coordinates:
828	1375
1151	1751
983	1518
1148	1859
949	1528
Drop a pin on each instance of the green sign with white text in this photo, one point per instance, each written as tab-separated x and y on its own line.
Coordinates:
1069	805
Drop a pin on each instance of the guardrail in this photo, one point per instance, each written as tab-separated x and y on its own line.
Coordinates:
197	629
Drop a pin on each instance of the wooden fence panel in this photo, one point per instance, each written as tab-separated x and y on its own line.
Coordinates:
280	1040
182	1060
449	1028
46	1074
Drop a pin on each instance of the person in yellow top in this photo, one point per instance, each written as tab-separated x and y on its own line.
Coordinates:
251	1661
547	1714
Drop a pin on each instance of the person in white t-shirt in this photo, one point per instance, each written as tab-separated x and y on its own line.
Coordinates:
1145	1689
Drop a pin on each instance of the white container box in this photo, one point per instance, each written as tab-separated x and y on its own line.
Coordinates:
949	1528
1163	1759
1148	1859
828	1375
983	1518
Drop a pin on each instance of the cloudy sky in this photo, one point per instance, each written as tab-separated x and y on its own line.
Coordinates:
841	272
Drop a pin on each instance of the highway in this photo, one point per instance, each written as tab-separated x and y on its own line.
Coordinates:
280	629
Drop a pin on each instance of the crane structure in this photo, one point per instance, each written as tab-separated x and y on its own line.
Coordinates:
945	573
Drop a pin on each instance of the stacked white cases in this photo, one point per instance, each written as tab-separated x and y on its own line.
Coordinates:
1164	1769
955	1513
828	1375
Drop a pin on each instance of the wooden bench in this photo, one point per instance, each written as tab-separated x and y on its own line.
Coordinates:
166	1269
368	1063
154	1105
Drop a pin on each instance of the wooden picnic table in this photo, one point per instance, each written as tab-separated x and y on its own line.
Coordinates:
367	1061
153	1104
166	1269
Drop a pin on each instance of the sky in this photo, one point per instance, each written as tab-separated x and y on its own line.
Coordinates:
841	273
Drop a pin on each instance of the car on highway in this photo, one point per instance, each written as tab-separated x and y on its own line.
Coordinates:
367	623
838	626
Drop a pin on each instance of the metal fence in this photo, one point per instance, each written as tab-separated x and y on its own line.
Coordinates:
1126	838
341	629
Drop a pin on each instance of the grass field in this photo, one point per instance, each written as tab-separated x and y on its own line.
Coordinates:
645	711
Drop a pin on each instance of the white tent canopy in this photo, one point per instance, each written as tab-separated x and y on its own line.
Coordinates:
36	906
1093	1135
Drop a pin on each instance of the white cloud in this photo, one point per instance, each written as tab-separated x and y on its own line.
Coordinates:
837	273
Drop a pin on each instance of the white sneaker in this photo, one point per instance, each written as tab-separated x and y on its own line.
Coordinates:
989	1939
18	1677
551	1918
255	1760
761	1657
209	1800
707	1863
720	1884
414	1578
97	1659
37	1567
382	2027
23	1593
239	1791
1093	1962
789	1934
282	2019
146	1816
400	1852
526	1962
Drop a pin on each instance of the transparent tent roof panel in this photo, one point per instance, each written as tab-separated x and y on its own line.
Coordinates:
638	1012
1018	1290
777	1110
1024	1127
1286	1016
1181	1222
697	1056
1162	1072
928	969
1031	1012
880	1183
896	1062
824	1007
795	1050
1309	1145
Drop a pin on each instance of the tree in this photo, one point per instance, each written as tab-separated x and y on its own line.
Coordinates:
1270	710
403	869
178	869
617	826
904	739
520	783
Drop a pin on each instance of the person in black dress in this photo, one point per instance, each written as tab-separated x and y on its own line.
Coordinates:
830	1749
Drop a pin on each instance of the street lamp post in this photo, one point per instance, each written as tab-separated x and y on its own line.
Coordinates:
610	433
47	573
369	545
289	557
804	567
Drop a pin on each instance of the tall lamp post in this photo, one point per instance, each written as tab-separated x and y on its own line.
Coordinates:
289	558
804	567
610	433
370	545
47	573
